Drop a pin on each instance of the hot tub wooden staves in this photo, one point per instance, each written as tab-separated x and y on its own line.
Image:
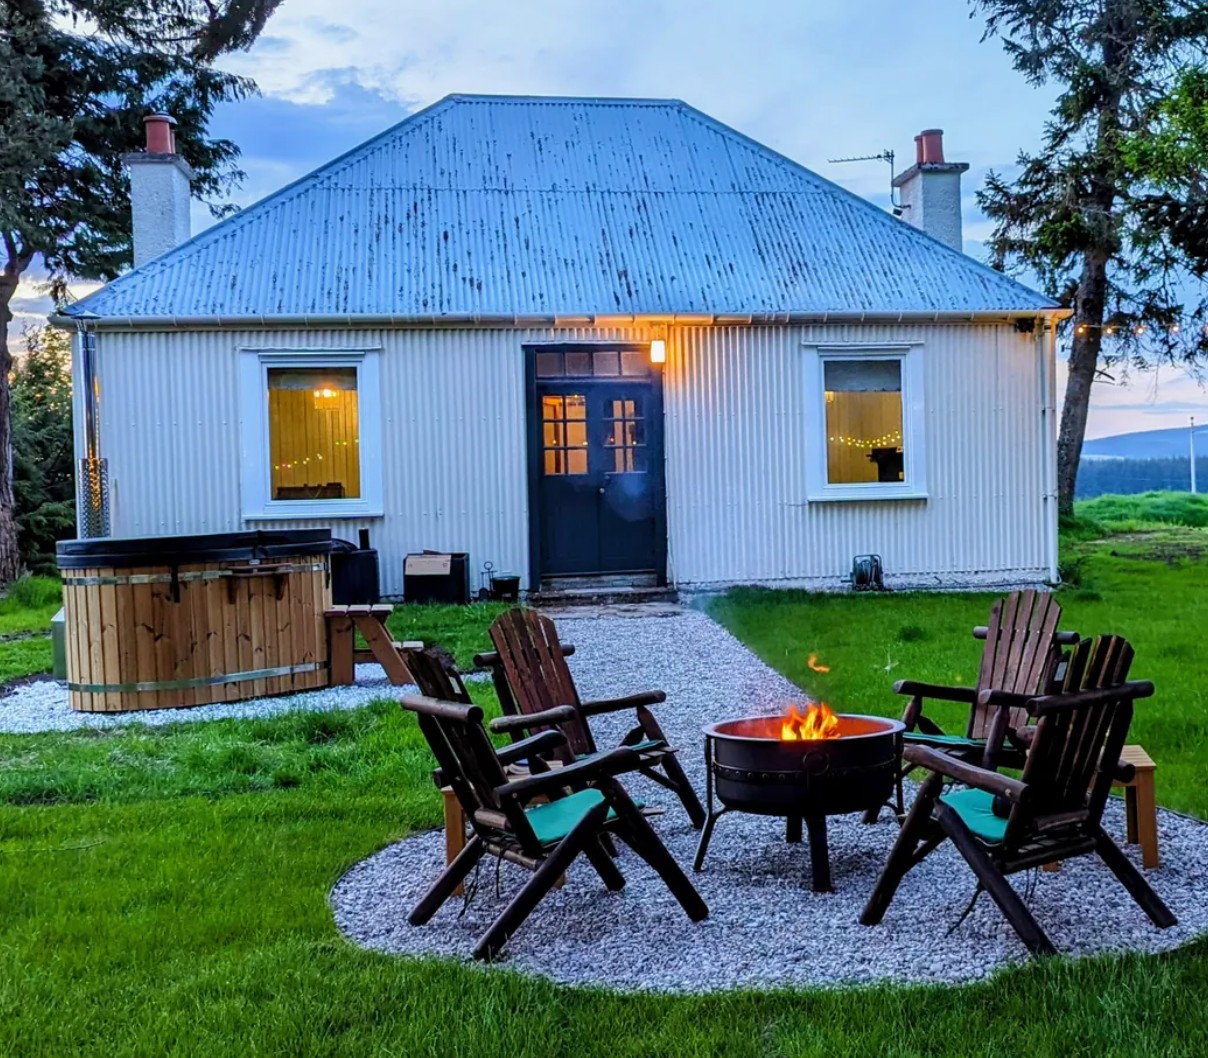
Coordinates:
162	622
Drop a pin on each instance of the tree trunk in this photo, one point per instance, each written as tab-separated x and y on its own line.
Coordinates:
10	555
1084	359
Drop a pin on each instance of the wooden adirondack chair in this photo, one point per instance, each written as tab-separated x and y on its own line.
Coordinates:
1021	656
1001	825
531	676
543	838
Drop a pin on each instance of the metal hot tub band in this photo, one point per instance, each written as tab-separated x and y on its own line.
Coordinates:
199	681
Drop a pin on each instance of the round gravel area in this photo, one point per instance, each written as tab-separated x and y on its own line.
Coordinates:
766	927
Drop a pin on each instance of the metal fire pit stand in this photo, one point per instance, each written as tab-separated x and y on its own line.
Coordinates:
815	823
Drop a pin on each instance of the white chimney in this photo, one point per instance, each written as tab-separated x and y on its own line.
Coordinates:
931	190
159	191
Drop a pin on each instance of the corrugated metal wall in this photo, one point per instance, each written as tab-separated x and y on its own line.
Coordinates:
452	423
455	469
736	437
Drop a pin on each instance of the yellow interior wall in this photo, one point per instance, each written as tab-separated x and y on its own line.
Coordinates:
312	446
863	417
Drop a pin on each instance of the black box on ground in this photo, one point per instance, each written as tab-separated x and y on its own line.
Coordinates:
437	576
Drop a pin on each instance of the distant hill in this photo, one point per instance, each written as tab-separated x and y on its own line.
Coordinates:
1146	444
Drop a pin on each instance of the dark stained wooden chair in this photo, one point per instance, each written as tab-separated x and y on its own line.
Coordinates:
1021	656
544	838
1001	825
531	676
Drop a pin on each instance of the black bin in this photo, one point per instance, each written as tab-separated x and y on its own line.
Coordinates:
354	573
437	576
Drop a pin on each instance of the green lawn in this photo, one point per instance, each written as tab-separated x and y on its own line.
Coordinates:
164	891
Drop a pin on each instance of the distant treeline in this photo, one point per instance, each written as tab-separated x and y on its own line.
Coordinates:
1127	476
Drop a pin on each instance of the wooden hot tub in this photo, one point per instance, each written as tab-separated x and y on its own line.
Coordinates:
190	620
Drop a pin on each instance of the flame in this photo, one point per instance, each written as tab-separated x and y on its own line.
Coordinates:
818	721
813	664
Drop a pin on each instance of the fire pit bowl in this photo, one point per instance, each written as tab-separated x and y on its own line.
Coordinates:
752	767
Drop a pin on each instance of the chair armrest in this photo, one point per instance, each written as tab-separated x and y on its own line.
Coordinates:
613	705
970	774
968	695
533	746
526	721
600	766
1056	703
1007	699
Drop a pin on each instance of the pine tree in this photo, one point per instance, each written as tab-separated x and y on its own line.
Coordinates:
76	79
42	447
1079	214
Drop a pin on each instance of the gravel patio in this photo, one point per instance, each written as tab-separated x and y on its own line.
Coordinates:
766	928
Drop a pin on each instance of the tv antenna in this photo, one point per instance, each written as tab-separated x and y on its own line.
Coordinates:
885	156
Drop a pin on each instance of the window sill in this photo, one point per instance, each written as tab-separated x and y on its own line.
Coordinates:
842	494
312	509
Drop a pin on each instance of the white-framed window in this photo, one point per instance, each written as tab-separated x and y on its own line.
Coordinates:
866	422
311	433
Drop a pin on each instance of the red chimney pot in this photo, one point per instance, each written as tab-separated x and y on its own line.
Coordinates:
929	145
160	137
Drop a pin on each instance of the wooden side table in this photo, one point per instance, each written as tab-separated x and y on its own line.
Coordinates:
1140	805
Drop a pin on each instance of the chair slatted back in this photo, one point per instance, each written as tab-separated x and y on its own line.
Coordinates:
536	671
1072	760
1020	654
433	677
467	760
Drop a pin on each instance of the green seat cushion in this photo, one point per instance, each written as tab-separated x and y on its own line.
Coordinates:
942	740
976	809
637	747
552	822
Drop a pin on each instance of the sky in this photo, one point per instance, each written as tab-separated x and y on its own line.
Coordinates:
813	79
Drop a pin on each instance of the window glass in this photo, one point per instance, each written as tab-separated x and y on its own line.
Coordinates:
863	421
314	433
607	363
625	441
578	363
564	434
549	365
635	362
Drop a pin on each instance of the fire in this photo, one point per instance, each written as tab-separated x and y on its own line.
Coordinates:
818	721
813	664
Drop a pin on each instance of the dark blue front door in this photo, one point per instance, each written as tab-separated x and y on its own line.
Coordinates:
598	441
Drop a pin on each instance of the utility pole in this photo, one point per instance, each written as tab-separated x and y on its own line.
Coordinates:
1191	447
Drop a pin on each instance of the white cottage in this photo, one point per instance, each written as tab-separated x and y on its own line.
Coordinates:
579	338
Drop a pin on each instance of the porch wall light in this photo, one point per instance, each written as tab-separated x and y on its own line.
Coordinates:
658	346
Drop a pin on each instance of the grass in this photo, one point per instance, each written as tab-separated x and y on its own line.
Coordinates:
1127	513
164	890
25	613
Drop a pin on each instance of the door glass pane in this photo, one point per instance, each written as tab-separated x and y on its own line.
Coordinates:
578	363
607	363
549	365
863	421
635	362
625	438
564	434
314	433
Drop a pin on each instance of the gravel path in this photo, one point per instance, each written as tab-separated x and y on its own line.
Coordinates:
766	928
42	705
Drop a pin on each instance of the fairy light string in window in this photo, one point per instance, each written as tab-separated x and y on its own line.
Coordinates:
889	440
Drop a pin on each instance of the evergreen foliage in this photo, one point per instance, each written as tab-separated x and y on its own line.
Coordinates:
42	447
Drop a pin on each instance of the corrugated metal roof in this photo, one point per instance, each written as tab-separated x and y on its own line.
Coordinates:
515	206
